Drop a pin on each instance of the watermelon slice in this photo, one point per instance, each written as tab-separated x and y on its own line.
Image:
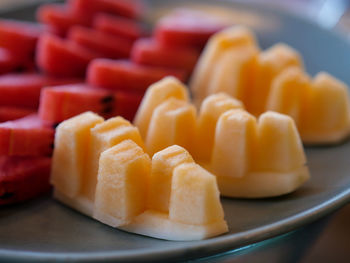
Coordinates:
126	8
13	113
23	178
23	90
187	28
63	58
146	51
107	45
20	37
118	26
126	75
63	102
27	136
60	17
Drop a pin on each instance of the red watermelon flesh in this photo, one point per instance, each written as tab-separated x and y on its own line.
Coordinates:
118	26
27	136
127	76
62	102
23	90
20	37
109	46
125	8
23	178
62	58
148	52
8	62
187	28
60	17
13	113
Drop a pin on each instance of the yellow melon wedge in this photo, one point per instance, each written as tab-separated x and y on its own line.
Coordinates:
168	87
72	142
163	164
172	122
270	63
327	120
195	210
123	177
210	111
104	136
230	38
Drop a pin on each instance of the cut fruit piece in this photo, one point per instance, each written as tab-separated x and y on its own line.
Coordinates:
23	90
126	8
123	177
270	63
172	122
8	62
245	152
105	44
27	136
210	111
12	113
327	120
232	38
72	143
20	37
156	94
186	28
23	178
60	17
61	57
127	76
118	26
147	51
104	136
163	164
63	102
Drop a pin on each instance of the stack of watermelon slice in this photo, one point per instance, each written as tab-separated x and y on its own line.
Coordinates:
43	67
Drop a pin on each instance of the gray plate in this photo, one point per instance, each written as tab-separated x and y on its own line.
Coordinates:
43	229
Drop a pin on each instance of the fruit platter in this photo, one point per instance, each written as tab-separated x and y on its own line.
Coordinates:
155	130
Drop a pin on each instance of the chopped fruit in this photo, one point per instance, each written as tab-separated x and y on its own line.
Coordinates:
210	111
125	75
186	28
19	37
163	164
107	45
12	113
72	142
118	26
172	122
227	40
63	58
27	136
63	102
121	190
156	94
23	178
23	90
8	62
149	52
254	160
271	62
60	17
104	136
126	8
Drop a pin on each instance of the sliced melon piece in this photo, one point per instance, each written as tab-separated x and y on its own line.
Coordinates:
172	122
157	93
270	63
121	191
210	111
163	164
104	136
227	39
70	158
